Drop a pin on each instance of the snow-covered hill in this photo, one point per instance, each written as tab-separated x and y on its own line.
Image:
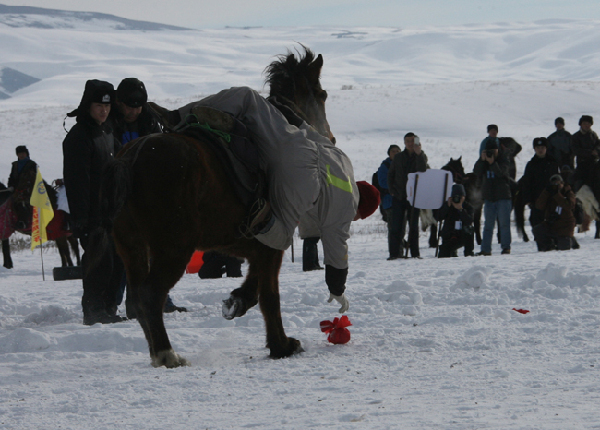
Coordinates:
435	344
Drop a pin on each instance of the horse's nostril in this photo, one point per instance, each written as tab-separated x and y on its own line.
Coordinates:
332	138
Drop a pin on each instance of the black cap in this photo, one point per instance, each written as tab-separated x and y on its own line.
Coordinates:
559	120
22	148
392	147
492	127
95	92
132	92
492	143
586	118
458	190
540	141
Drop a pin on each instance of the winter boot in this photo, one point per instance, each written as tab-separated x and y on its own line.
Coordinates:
310	254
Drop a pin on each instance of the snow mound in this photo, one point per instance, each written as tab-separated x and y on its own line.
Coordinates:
24	340
475	278
52	315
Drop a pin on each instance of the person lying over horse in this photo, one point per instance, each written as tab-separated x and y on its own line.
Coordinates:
557	201
457	230
18	170
307	176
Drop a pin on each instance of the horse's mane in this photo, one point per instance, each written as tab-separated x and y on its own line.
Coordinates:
280	74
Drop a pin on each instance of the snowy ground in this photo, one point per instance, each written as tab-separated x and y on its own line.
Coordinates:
435	343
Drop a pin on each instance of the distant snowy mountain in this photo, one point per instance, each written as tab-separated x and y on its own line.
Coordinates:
12	80
37	17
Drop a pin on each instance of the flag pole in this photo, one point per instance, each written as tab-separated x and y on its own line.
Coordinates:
42	257
41	243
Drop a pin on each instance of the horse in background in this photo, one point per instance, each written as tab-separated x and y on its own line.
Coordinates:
199	210
55	230
5	225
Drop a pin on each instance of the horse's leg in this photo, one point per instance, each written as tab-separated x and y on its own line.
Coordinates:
167	267
268	263
242	298
8	263
63	250
597	235
75	247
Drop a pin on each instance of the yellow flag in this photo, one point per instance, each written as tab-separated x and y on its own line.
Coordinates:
42	212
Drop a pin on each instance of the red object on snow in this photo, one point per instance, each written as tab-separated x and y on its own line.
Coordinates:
336	329
195	263
521	311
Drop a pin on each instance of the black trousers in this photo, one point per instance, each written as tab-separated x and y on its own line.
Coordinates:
450	245
403	212
546	240
216	264
102	282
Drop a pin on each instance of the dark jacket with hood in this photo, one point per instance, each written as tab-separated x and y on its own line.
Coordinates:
88	149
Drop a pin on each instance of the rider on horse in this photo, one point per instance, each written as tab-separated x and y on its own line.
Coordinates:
19	168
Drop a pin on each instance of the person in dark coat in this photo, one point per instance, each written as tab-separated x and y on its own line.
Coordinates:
492	131
538	172
132	118
457	230
492	169
559	144
23	165
411	160
586	149
88	149
557	201
386	198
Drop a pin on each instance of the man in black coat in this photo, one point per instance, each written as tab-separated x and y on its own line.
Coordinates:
132	118
585	146
457	230
88	149
411	160
559	144
20	167
538	172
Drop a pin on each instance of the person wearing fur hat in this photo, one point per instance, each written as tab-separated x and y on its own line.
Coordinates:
537	174
559	144
457	230
19	167
88	149
586	149
557	202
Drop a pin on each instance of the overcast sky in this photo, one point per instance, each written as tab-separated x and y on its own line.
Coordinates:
392	13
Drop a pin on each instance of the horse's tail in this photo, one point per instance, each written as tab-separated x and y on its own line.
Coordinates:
115	190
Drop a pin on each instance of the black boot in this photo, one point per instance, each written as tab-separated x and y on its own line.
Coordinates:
91	317
310	254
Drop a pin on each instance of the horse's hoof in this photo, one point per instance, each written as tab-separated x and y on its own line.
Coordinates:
233	307
293	347
169	359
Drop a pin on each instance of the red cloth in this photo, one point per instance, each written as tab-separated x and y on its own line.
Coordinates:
55	227
336	329
521	311
195	263
369	199
8	220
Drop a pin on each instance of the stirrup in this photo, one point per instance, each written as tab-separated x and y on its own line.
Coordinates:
258	218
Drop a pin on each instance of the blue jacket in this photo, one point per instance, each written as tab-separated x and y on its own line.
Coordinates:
382	174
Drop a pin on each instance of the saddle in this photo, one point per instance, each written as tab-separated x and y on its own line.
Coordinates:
230	140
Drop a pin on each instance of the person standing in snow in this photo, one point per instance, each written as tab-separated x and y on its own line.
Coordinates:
586	148
132	118
559	144
492	131
88	149
20	167
411	160
538	172
493	168
386	197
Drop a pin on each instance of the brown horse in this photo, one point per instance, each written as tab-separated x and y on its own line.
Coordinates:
169	195
62	238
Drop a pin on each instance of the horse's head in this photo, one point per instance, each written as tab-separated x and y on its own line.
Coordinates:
297	84
456	168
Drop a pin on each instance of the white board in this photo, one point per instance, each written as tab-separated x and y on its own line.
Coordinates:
429	188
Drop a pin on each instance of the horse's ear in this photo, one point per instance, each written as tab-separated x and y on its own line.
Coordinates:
459	158
314	69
